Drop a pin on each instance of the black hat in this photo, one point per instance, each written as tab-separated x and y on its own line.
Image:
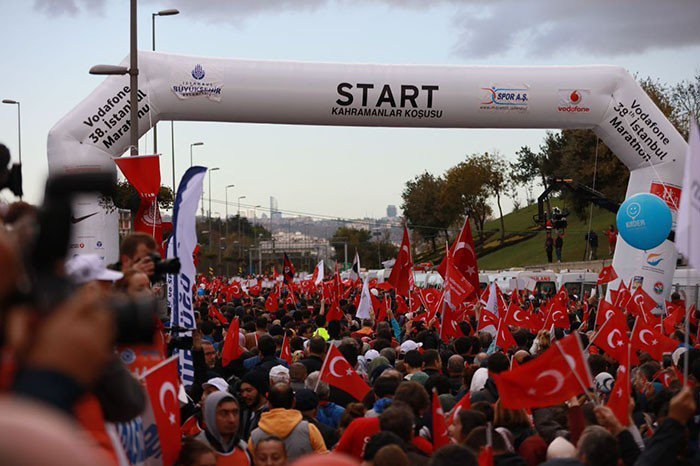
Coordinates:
306	399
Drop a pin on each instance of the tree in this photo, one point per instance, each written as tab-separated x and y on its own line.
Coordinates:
126	197
527	170
466	191
685	98
360	240
425	208
495	170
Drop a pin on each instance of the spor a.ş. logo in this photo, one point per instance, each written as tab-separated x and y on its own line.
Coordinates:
198	72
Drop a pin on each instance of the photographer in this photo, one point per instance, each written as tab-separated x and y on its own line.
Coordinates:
136	252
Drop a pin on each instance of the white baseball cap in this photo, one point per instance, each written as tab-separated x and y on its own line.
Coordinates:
89	267
409	345
218	383
371	354
279	374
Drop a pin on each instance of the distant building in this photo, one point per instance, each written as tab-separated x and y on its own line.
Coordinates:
274	209
391	211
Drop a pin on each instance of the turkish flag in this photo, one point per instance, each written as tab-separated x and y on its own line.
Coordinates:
286	353
255	290
486	455
555	376
562	296
449	325
605	311
456	285
272	302
504	338
487	318
401	306
516	317
214	313
676	315
619	401
612	337
334	313
641	304
464	403
646	338
558	316
606	275
623	296
432	299
440	437
162	384
401	277
336	372
289	271
463	255
232	347
235	291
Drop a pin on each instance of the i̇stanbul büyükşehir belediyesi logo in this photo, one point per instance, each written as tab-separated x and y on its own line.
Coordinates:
198	72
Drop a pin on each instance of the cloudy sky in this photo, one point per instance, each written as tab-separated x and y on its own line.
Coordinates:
49	45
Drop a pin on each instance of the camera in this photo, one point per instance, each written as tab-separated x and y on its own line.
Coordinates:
135	319
163	267
10	175
180	342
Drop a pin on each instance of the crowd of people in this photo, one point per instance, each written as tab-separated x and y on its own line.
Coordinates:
429	399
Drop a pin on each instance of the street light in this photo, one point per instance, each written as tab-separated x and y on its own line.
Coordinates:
254	212
211	170
239	225
169	12
191	146
227	187
19	127
133	72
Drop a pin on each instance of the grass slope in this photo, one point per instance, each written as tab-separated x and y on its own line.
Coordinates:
531	251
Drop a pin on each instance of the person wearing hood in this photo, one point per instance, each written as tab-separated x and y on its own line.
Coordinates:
222	418
300	437
253	393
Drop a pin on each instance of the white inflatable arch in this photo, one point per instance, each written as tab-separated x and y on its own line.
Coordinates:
174	87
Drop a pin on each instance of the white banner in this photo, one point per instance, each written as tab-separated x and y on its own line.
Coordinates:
181	245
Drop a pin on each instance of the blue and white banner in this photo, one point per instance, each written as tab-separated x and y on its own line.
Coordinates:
181	245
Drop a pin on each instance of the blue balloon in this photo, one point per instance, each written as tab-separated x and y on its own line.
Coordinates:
644	221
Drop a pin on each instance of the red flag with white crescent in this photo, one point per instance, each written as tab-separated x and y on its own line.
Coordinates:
463	254
162	385
336	372
440	436
558	374
401	277
606	275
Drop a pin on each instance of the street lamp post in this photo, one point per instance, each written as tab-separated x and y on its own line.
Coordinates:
209	211
191	146
239	225
227	188
169	12
133	72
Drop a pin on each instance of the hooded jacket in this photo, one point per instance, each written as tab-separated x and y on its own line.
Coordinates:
299	436
235	449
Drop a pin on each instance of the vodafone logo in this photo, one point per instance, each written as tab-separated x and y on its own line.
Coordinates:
573	101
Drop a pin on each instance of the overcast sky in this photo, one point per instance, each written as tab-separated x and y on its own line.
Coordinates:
49	45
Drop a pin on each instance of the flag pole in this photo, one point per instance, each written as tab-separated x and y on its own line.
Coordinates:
323	366
572	368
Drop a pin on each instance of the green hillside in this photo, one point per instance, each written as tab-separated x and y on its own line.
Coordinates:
531	251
